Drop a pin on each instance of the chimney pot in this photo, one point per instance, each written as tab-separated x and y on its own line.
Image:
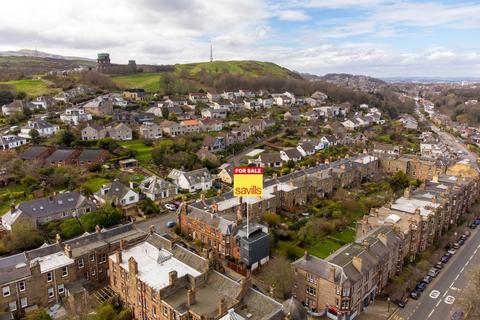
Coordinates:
191	297
172	277
118	256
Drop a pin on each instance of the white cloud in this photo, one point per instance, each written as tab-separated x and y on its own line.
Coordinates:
293	15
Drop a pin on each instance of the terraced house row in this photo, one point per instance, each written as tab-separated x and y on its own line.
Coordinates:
343	284
220	222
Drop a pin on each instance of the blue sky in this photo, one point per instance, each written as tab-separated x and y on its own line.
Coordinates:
373	37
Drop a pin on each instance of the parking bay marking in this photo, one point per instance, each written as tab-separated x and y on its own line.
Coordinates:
449	300
434	294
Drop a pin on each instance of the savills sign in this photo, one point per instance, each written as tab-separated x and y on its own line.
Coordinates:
247	181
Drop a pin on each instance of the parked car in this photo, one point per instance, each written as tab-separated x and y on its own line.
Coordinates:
421	286
439	265
473	226
457	315
433	272
452	251
461	242
170	206
467	233
415	294
171	224
427	279
445	259
477	221
456	245
400	303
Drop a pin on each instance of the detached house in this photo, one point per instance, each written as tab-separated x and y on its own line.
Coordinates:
44	128
269	160
150	130
117	194
157	189
11	142
214	144
214	113
43	210
171	128
290	155
306	149
75	116
93	132
99	106
120	132
196	180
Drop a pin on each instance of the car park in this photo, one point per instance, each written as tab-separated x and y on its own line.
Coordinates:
433	272
170	206
427	279
415	294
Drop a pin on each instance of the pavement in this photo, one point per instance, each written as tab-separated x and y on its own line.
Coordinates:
437	302
379	310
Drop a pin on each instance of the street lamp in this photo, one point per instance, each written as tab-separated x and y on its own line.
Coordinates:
388	300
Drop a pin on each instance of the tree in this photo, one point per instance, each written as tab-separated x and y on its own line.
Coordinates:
469	299
23	236
148	207
67	138
35	136
70	228
399	181
5	97
271	218
38	314
165	112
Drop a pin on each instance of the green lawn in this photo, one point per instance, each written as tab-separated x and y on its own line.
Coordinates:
32	88
324	248
9	194
95	184
347	235
143	152
148	81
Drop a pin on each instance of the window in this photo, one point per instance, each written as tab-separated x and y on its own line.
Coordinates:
61	288
311	291
345	304
103	258
85	275
131	198
165	310
92	257
50	292
346	291
49	277
12	305
6	291
93	273
21	286
24	302
311	278
64	271
81	263
154	311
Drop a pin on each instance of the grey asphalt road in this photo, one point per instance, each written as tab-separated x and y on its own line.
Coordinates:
159	222
437	302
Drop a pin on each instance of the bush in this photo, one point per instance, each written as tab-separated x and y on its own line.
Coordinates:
38	314
70	228
103	217
148	207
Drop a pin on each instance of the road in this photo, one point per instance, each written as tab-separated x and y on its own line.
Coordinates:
159	222
437	302
455	145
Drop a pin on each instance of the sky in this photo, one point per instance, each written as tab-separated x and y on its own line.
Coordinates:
373	37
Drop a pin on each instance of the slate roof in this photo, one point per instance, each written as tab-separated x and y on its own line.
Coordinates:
61	155
50	205
196	176
270	157
33	152
90	154
116	189
13	268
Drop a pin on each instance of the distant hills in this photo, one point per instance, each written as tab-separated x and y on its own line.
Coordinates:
39	54
364	83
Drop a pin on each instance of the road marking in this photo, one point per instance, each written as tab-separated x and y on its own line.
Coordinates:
449	300
430	314
434	294
456	289
458	275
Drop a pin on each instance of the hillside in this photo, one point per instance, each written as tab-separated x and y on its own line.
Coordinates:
360	82
40	54
14	68
192	72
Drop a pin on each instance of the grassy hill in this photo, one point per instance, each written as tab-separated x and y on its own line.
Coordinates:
32	87
191	71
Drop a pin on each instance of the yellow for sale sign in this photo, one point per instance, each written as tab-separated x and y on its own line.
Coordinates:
247	181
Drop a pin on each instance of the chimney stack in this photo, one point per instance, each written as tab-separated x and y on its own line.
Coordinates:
58	239
357	263
123	244
118	256
172	277
98	229
222	307
435	179
366	244
407	192
132	266
239	215
68	250
151	230
191	297
306	256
